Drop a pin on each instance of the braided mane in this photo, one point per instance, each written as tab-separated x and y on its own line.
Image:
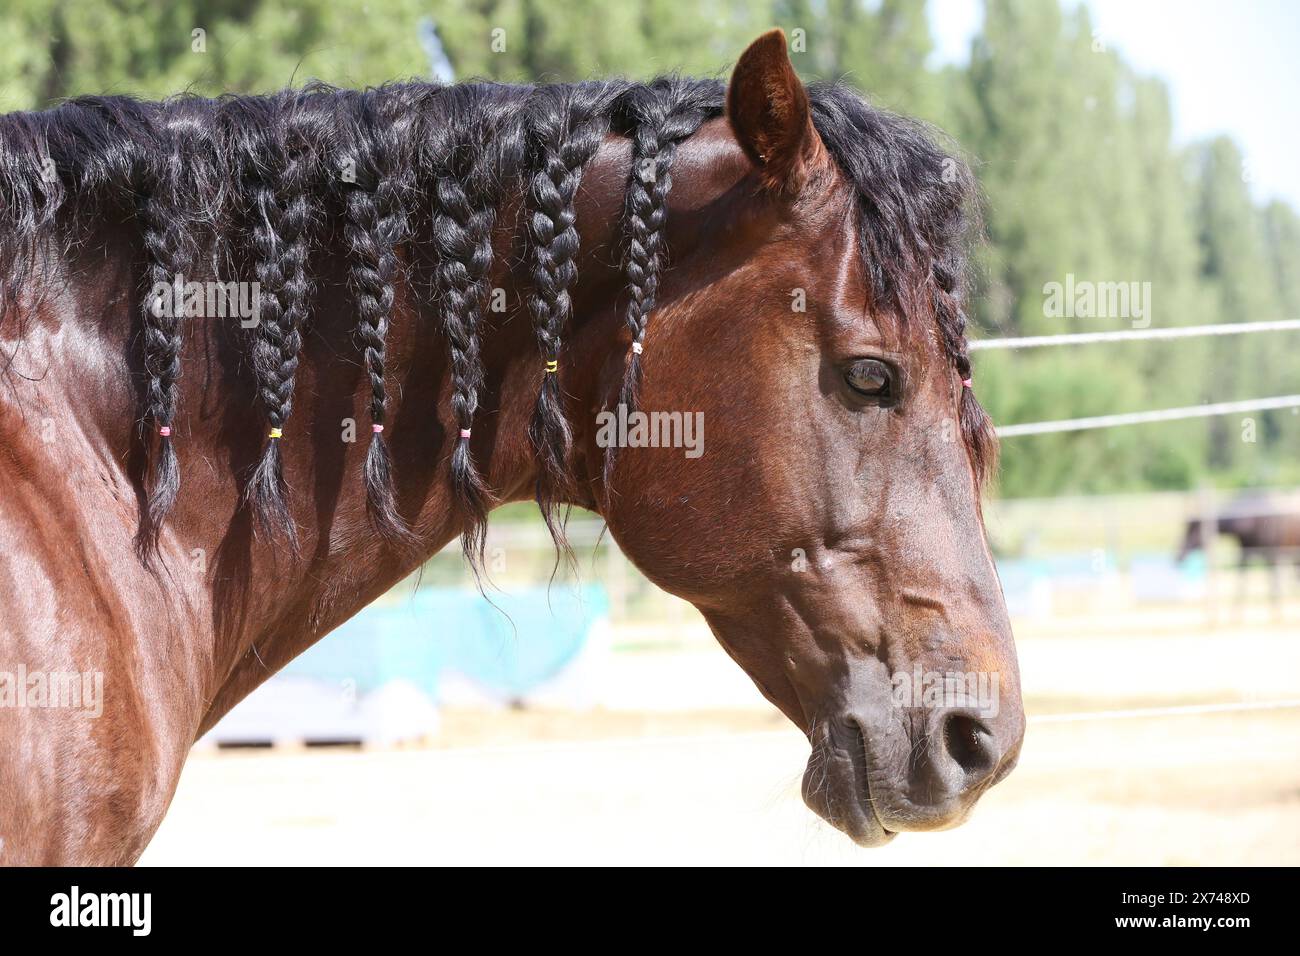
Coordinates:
262	175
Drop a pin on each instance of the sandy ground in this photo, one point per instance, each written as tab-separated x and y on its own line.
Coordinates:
1174	790
694	784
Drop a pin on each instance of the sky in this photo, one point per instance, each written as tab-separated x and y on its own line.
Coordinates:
1232	66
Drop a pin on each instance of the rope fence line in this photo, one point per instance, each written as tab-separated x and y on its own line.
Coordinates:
1141	418
1130	335
1207	410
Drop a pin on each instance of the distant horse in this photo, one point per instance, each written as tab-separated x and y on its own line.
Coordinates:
202	298
1264	530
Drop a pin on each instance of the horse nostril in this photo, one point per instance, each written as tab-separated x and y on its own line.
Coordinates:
969	743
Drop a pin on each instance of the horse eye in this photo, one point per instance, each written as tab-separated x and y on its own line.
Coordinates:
870	377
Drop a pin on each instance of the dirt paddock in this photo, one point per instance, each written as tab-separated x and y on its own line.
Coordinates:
722	785
1222	788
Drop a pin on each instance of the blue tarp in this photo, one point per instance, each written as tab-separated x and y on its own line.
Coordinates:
528	638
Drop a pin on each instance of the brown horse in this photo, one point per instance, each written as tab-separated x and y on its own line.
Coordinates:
184	507
1266	530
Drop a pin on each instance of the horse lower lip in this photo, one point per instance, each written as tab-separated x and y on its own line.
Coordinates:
866	780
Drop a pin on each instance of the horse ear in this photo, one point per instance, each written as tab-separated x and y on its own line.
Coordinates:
770	114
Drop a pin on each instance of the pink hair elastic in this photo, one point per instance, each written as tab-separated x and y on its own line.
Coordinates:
165	431
968	382
377	428
464	433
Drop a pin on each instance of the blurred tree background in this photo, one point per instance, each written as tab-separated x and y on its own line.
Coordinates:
1074	150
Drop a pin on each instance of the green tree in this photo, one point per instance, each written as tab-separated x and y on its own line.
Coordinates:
882	49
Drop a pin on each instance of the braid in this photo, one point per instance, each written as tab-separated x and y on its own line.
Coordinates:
462	233
661	116
281	240
376	223
568	124
170	205
976	427
167	255
264	489
950	315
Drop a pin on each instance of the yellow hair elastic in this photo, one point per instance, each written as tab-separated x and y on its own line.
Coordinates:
276	433
552	365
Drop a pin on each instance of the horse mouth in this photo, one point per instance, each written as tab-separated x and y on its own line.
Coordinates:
837	786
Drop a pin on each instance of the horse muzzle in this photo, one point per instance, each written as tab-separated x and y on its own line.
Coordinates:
877	773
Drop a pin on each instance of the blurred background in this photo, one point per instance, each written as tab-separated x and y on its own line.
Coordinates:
588	717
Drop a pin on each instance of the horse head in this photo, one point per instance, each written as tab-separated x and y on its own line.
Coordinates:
830	531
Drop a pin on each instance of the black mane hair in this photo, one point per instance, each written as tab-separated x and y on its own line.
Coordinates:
259	176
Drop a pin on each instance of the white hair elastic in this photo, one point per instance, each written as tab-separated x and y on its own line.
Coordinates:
636	347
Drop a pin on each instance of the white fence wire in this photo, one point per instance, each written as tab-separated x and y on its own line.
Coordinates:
1142	418
1131	335
1207	410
